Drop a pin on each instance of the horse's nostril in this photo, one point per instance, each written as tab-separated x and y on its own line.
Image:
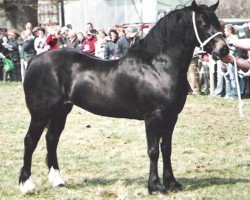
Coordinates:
224	50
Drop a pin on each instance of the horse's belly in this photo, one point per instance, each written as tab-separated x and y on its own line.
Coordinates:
106	106
112	110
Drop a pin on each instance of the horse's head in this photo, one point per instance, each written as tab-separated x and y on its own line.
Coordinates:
207	30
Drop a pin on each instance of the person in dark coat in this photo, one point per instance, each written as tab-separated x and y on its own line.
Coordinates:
122	43
110	50
14	53
28	50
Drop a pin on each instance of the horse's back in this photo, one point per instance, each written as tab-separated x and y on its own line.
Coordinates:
51	77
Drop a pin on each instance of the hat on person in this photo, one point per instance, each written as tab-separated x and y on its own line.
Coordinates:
35	29
64	29
89	33
15	31
69	26
132	30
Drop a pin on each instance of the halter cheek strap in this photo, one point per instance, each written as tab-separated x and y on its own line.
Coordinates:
202	44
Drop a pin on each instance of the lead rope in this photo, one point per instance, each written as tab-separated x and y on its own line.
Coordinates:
238	89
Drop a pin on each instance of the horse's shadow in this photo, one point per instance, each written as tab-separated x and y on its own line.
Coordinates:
189	184
196	183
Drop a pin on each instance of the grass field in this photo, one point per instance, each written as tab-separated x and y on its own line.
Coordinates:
106	158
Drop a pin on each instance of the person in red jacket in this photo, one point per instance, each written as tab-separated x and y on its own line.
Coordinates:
88	46
52	39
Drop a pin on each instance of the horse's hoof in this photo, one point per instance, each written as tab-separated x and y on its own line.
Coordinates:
55	178
173	186
27	186
156	189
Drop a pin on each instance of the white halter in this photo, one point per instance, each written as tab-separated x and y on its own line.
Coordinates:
202	44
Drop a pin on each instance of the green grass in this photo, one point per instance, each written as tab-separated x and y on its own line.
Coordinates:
106	158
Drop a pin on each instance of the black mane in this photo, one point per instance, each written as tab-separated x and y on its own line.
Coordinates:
167	32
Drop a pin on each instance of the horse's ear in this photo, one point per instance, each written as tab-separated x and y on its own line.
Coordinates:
215	6
195	7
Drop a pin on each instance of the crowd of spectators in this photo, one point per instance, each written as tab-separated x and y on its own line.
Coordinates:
22	46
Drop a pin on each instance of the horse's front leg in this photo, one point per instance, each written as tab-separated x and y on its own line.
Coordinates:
153	141
56	126
166	148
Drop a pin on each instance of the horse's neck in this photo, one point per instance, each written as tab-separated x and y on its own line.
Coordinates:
180	45
169	37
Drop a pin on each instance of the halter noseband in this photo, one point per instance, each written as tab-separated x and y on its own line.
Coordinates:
202	44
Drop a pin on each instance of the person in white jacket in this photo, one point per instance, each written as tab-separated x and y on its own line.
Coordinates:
40	42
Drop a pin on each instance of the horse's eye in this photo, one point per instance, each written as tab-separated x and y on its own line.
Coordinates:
204	25
204	21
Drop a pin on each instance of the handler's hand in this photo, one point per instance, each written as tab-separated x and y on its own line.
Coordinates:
227	59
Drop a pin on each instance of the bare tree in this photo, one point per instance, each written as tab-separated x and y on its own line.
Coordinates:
17	12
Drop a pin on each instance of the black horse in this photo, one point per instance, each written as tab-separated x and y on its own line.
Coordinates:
149	83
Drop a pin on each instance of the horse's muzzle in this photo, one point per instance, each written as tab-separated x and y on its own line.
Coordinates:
224	50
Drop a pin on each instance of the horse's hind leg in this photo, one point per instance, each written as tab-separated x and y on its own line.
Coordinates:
56	126
30	142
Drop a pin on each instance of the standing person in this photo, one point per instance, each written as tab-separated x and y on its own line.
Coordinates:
226	72
72	41
40	42
63	37
204	72
100	43
88	46
3	34
231	89
247	30
35	31
133	35
14	53
122	43
3	50
90	29
110	50
241	63
28	49
28	26
193	73
21	41
220	82
53	39
23	37
80	39
7	47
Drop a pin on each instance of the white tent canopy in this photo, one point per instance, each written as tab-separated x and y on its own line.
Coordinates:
167	5
107	13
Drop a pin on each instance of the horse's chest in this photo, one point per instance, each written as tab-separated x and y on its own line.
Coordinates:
164	86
